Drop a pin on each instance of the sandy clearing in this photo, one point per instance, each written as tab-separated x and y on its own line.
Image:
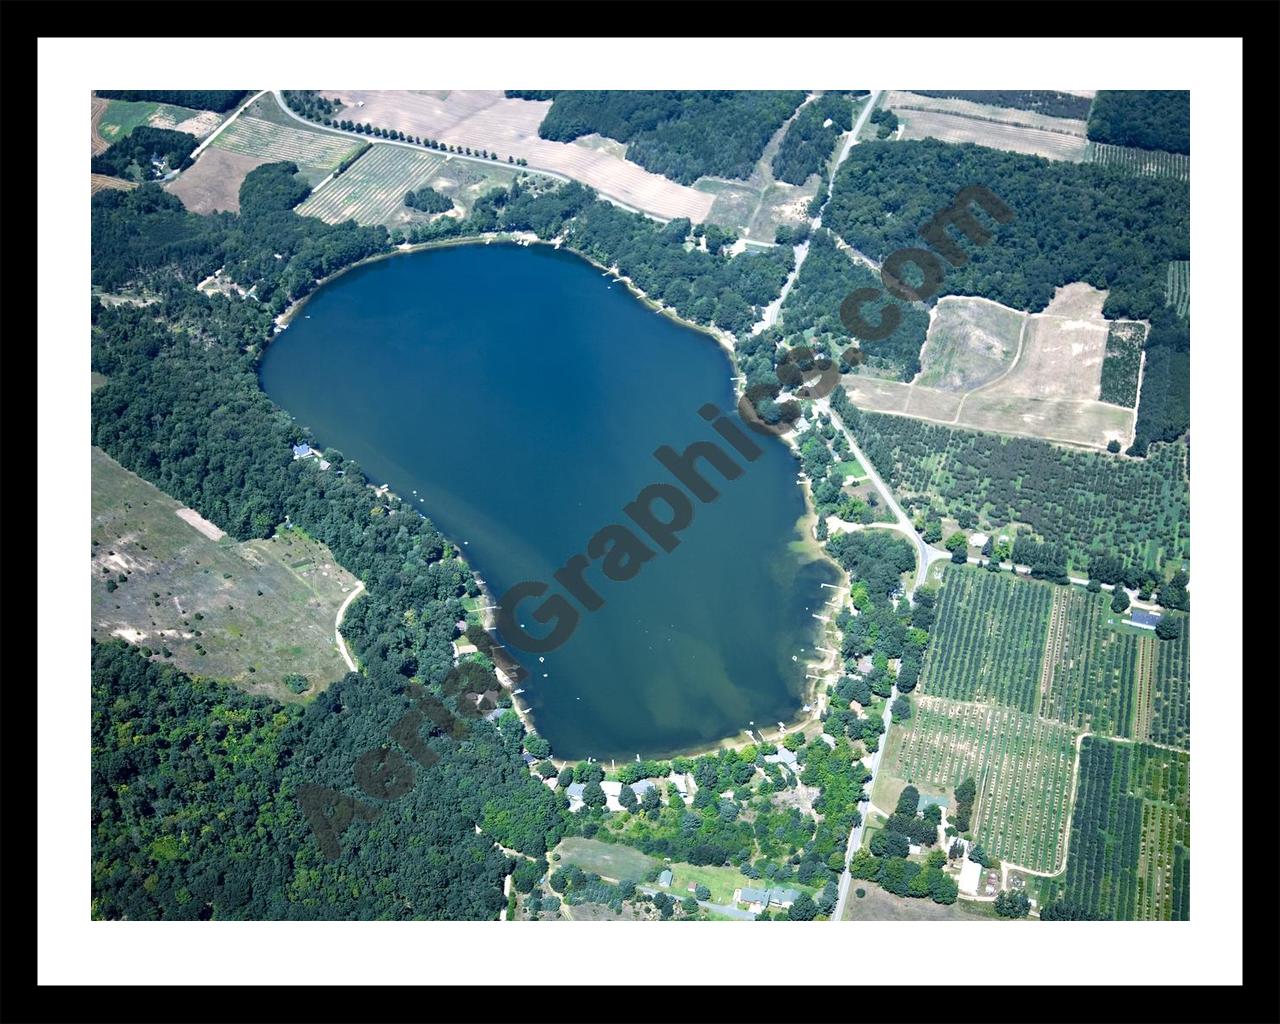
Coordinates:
484	119
1013	138
212	183
1076	301
200	125
194	518
1049	390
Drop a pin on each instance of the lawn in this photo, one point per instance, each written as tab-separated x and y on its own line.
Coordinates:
609	860
879	905
851	467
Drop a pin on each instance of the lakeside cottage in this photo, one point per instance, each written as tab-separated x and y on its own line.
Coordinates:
303	451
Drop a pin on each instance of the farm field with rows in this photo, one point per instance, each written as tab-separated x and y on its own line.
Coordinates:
1110	680
1130	853
1148	163
1120	367
1085	501
315	153
372	190
989	640
1021	765
1177	291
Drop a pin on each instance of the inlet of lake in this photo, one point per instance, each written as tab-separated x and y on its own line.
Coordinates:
515	396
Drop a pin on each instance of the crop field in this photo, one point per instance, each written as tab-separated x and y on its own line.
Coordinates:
372	190
1014	138
1119	384
1164	706
247	613
1177	289
1092	671
1021	765
954	105
1130	853
1085	501
98	182
485	119
988	642
315	153
97	107
1148	163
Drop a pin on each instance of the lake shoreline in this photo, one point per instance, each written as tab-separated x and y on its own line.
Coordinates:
803	546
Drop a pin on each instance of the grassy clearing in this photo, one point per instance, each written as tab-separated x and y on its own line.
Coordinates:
851	468
878	905
123	116
220	607
609	860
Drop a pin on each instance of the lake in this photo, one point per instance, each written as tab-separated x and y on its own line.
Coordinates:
521	394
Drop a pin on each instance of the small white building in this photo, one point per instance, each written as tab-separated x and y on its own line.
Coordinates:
970	876
978	540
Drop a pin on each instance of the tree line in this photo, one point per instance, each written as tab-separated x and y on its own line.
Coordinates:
219	100
1073	222
682	135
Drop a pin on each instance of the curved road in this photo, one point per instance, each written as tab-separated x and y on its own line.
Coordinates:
337	633
453	156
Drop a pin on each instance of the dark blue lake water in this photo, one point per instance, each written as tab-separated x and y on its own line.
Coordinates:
522	395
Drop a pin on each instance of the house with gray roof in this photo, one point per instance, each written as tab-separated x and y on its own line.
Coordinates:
758	900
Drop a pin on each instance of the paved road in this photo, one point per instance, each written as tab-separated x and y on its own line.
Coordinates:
222	127
802	250
926	555
855	835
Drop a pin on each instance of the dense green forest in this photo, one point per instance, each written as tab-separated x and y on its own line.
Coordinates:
810	141
428	200
683	135
812	308
147	230
1072	222
182	407
1087	503
700	286
146	153
1147	119
1164	406
1039	101
220	100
